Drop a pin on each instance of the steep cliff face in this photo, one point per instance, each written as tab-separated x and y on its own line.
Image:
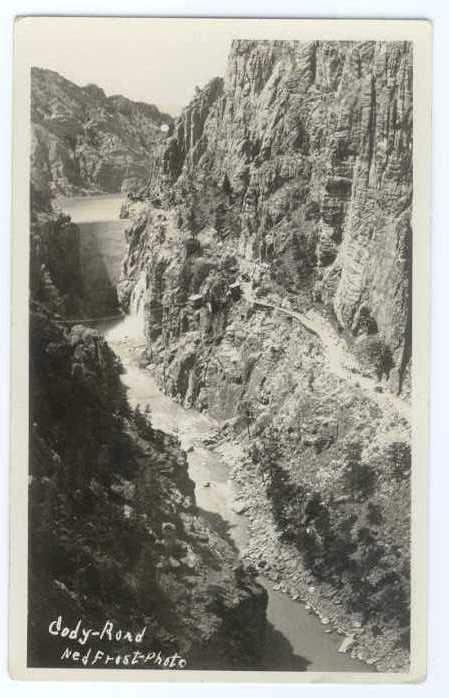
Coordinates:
56	278
83	141
270	260
184	149
305	157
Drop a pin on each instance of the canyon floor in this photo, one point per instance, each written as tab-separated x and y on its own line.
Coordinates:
297	638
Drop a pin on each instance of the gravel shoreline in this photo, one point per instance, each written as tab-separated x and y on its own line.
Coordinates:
281	564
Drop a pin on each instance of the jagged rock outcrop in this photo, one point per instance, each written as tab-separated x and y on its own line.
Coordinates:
56	278
309	145
83	141
184	148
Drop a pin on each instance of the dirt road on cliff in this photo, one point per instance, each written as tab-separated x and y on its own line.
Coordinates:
339	360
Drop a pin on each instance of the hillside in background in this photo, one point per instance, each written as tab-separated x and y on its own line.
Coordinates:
84	142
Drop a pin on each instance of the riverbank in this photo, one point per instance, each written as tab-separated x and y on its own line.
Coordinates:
228	484
296	639
280	563
375	643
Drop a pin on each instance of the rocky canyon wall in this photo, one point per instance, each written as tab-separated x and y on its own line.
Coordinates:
84	142
270	260
304	156
56	277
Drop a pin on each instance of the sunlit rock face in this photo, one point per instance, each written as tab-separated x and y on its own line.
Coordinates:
84	142
312	141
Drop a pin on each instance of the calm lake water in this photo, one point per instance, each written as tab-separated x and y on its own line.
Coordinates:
102	245
295	640
91	209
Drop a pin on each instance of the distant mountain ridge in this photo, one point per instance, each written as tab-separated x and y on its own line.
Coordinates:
85	142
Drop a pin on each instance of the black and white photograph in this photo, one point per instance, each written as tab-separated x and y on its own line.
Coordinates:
219	434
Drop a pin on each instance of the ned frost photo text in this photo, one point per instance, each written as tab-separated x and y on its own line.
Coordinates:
109	633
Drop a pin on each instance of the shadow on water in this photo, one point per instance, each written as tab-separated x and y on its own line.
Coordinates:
102	247
219	525
279	654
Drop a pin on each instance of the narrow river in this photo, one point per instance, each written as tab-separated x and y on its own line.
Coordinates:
296	640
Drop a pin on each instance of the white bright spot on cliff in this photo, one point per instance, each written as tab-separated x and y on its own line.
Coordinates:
164	128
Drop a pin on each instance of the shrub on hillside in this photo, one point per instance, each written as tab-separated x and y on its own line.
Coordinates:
342	524
374	355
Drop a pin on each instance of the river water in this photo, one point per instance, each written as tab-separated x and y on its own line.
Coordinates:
296	640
